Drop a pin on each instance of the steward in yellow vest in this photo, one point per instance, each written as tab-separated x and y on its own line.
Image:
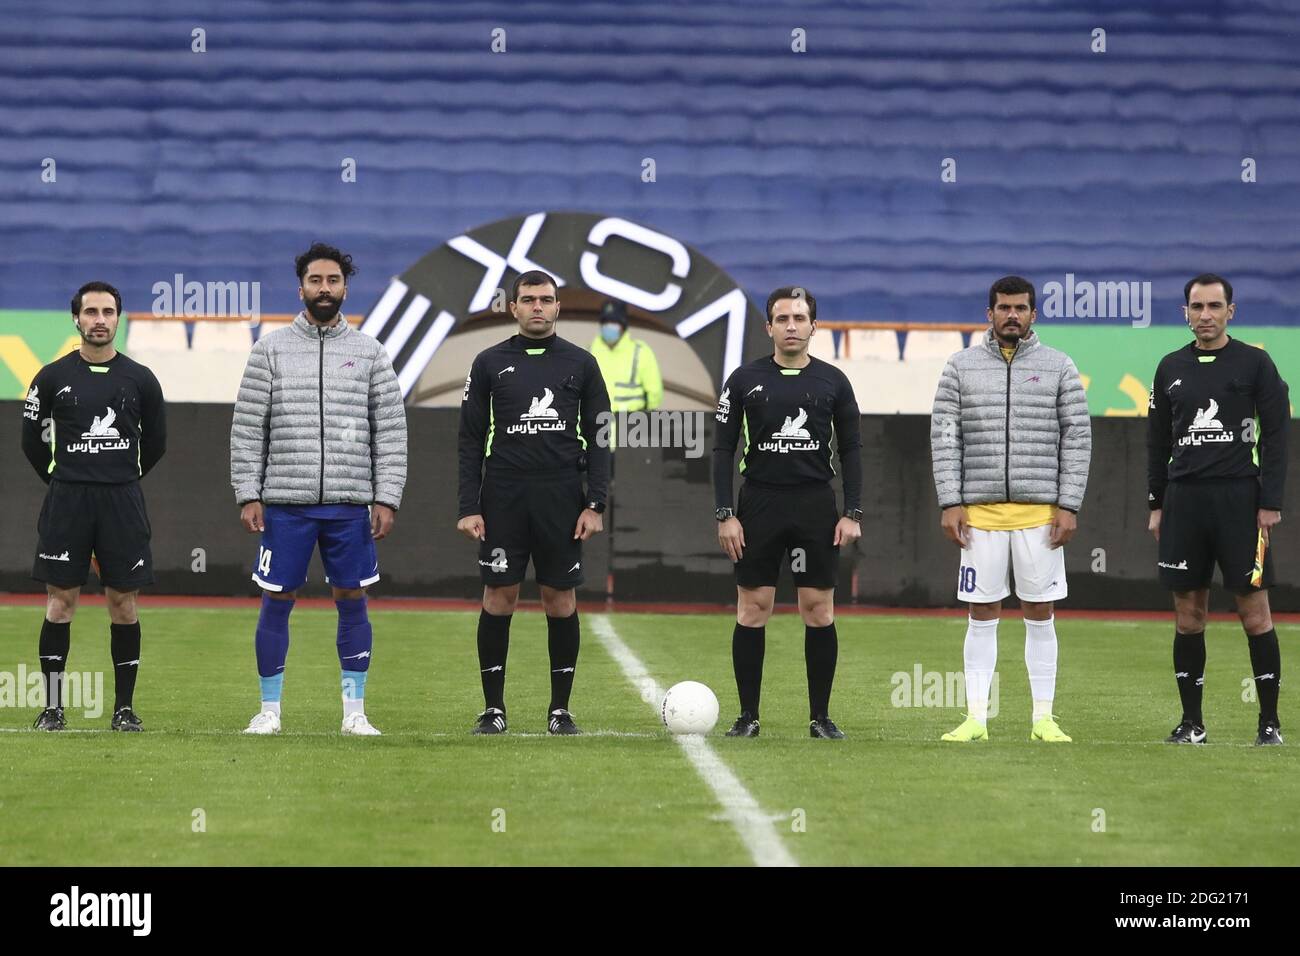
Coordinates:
628	365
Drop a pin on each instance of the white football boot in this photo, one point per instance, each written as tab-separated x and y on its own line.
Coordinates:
357	725
265	724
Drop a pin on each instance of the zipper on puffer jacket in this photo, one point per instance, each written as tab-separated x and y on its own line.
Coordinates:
1007	459
321	392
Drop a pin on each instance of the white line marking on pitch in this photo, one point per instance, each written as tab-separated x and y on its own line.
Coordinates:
739	807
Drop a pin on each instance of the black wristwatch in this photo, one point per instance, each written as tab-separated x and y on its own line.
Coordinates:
855	514
722	514
596	506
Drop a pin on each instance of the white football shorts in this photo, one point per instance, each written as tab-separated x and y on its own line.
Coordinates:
986	565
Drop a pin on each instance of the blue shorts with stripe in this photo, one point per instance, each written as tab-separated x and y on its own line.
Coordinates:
292	533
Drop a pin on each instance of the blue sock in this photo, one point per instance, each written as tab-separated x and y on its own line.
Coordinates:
354	642
272	688
272	643
354	685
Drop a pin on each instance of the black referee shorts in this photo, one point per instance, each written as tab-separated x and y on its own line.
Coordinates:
798	522
531	516
1209	522
81	518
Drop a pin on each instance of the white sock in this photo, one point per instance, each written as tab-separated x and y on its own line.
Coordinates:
981	658
272	705
353	706
1040	661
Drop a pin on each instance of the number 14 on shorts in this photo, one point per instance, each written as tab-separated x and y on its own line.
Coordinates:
263	560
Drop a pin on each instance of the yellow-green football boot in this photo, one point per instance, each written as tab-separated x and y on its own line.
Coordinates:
1046	729
970	729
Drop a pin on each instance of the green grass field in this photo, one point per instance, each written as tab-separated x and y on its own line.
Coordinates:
429	793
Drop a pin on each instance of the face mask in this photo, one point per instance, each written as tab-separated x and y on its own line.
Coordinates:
610	332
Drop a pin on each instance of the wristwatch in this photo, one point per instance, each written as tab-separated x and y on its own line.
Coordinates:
722	514
596	506
855	514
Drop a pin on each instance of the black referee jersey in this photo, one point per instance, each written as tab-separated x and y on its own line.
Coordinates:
95	422
787	419
532	407
1219	413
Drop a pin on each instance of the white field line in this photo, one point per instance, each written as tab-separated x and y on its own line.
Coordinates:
740	809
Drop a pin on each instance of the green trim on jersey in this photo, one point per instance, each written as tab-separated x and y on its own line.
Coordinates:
791	371
54	444
535	351
492	426
98	368
744	424
577	428
1254	452
1206	358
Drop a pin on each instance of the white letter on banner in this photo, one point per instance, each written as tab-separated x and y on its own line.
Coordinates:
599	282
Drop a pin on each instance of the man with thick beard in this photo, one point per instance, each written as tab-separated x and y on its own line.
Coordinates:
312	465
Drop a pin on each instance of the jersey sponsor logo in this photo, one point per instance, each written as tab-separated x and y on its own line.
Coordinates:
465	395
791	436
508	368
55	557
65	388
102	436
1205	428
756	388
724	406
1177	381
540	417
1180	566
32	407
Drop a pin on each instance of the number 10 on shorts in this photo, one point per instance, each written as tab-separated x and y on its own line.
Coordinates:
263	560
966	580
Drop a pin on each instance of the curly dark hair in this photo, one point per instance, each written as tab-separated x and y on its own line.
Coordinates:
320	250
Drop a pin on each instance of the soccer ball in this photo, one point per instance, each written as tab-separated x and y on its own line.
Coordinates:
689	708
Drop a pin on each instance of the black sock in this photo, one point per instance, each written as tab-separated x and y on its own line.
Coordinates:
562	638
1266	662
493	644
821	649
1189	671
54	644
125	649
747	647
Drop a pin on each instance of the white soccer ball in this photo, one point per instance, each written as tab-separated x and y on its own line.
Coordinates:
689	708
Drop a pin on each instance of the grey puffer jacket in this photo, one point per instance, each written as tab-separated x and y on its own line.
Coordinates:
1010	431
319	420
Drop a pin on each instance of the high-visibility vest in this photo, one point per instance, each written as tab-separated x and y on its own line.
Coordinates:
631	374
